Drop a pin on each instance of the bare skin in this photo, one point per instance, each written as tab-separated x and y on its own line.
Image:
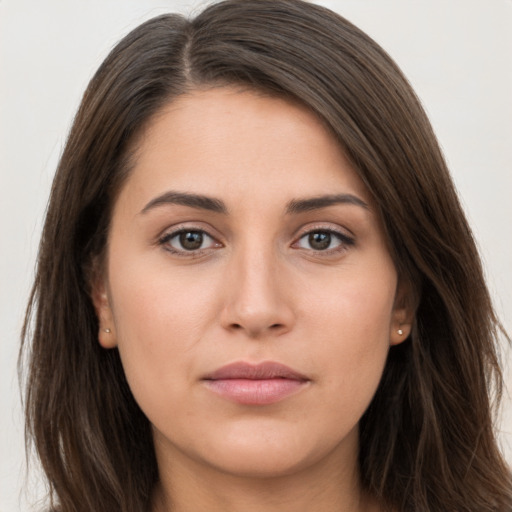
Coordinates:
244	237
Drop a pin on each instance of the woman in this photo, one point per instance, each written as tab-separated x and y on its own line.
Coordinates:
256	288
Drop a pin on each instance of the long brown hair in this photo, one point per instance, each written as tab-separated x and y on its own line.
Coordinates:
426	441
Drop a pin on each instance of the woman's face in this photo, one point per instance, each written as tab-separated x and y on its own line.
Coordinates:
249	288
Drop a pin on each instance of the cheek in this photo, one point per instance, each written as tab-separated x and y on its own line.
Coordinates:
157	302
356	304
160	316
353	320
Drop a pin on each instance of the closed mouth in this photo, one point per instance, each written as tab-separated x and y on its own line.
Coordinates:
261	384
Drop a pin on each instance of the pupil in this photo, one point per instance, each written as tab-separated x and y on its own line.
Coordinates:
191	240
320	240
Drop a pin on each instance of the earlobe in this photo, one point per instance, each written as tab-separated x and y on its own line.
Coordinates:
403	314
401	325
106	328
399	333
107	338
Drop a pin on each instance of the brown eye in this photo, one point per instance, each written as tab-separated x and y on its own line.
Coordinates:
191	240
188	241
319	240
324	240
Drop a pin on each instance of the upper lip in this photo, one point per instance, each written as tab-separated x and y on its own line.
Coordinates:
260	371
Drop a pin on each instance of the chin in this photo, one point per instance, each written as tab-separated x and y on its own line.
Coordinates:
261	463
271	454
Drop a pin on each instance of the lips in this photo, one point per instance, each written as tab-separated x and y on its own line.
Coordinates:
262	384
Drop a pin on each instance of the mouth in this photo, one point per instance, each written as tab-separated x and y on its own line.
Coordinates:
262	384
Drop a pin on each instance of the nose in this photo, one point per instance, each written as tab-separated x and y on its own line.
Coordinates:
258	299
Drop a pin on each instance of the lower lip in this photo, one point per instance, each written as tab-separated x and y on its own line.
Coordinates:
255	392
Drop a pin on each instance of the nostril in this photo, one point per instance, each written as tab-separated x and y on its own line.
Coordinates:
273	327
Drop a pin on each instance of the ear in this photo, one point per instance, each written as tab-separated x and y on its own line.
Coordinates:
404	311
100	298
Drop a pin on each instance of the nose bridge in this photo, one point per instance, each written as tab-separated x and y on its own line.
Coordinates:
256	301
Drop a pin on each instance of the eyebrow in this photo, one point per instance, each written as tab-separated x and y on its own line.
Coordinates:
316	203
217	205
186	199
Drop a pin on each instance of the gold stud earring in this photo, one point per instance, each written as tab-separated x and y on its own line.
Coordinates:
108	331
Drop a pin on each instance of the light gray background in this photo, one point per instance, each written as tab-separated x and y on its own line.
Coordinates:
456	53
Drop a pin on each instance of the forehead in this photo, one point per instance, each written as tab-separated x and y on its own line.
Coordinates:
240	143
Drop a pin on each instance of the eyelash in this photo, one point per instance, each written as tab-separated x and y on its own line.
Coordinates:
344	240
194	253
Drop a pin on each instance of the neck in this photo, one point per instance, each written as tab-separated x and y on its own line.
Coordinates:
187	486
